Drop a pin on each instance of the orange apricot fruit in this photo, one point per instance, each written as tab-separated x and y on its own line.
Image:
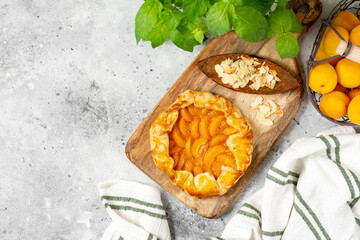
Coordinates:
332	40
323	78
334	104
348	73
353	93
355	35
354	110
346	20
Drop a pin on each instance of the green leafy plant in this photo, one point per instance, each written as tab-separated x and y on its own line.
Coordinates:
188	22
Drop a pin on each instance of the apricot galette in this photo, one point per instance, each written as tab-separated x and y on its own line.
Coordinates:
203	142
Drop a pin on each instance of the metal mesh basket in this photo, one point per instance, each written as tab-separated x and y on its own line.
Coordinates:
345	5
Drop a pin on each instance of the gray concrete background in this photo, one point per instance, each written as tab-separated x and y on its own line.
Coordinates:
73	87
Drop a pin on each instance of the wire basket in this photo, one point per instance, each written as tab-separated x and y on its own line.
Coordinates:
345	5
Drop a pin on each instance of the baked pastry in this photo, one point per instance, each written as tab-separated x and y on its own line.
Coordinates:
203	142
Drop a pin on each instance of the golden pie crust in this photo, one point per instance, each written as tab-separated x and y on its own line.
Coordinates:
202	173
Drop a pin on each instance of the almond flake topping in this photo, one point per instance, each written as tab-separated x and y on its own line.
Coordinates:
266	109
244	70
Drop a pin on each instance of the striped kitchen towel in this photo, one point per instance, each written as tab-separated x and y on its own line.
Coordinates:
311	192
136	211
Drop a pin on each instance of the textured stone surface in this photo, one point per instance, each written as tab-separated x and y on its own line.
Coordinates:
73	87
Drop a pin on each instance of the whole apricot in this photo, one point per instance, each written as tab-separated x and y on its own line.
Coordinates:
354	110
332	40
323	78
355	35
346	20
320	55
348	73
353	93
334	104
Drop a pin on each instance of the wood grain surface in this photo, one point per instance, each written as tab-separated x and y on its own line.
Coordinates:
138	146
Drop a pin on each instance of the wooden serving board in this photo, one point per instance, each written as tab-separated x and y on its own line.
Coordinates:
138	146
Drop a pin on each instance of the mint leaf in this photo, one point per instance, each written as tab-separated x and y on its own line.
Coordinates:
295	24
236	3
250	24
172	17
158	35
183	42
198	30
194	9
218	18
287	45
282	2
262	6
280	20
283	20
178	3
183	35
146	18
212	2
166	3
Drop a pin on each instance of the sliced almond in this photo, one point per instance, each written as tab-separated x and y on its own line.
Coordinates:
257	101
255	86
264	109
266	122
231	70
262	70
244	70
219	69
272	104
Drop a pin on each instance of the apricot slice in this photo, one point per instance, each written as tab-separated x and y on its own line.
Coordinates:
181	161
194	110
194	127
214	114
189	166
183	126
175	149
216	167
179	140
209	170
223	126
176	158
214	125
226	160
203	127
197	170
205	111
198	143
185	114
212	153
217	140
230	130
188	145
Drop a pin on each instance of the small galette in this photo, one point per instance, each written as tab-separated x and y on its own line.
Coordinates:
203	142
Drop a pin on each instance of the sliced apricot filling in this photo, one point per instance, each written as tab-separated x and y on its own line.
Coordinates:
197	142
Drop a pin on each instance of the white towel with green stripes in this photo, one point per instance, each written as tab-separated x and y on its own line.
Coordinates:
136	211
311	192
